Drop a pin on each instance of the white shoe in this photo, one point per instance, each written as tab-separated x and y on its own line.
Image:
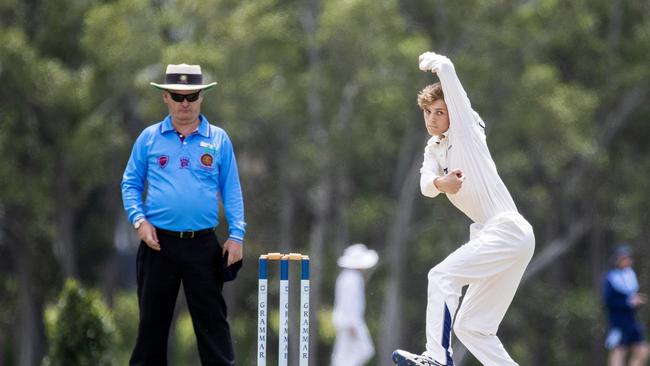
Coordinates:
404	358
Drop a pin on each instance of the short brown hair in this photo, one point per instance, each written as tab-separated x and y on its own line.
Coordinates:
430	94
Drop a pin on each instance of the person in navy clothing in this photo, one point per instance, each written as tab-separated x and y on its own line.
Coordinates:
622	298
177	171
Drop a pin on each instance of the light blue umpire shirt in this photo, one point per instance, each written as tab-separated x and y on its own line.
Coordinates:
183	179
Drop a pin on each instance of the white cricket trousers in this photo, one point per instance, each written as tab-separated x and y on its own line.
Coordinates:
491	263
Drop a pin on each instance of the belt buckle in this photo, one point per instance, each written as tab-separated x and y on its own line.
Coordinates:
190	234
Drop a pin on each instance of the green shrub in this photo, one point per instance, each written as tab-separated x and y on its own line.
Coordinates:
80	328
186	352
126	315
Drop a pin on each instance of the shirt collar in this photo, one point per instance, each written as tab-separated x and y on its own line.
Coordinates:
203	128
441	138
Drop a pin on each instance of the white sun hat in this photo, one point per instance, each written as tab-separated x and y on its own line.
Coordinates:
183	77
358	256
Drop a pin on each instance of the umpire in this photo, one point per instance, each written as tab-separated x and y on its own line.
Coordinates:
177	170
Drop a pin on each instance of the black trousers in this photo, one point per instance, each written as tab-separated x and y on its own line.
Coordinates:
198	264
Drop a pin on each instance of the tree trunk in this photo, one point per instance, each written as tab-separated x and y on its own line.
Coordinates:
29	331
342	182
320	200
397	243
341	202
64	248
598	259
396	249
286	221
320	194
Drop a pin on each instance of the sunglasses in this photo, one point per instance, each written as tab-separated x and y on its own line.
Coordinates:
179	98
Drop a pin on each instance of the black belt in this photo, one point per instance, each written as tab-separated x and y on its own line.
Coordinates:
186	234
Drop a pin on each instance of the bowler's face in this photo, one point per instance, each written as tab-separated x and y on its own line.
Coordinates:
436	118
184	112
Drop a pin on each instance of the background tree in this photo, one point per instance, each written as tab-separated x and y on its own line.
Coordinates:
319	99
80	328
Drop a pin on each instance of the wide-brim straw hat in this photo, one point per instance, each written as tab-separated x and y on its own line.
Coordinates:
358	256
183	77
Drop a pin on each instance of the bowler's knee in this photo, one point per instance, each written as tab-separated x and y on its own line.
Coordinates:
467	332
468	329
461	330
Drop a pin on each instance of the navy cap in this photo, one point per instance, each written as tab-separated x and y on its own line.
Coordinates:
230	272
621	251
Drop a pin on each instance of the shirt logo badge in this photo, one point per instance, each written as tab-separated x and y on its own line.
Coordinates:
185	162
207	160
163	160
208	147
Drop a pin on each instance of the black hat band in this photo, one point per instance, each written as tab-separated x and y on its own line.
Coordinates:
190	79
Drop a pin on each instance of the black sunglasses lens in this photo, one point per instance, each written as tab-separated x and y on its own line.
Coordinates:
192	97
180	97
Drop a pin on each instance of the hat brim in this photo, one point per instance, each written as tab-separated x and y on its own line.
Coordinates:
368	260
183	86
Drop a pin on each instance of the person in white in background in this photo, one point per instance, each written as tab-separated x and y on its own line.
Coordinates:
353	345
457	162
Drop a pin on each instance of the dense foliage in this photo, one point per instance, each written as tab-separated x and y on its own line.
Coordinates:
318	97
80	328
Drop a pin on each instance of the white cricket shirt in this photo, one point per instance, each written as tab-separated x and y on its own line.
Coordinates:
483	194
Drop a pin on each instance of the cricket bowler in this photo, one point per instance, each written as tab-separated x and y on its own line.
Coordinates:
457	163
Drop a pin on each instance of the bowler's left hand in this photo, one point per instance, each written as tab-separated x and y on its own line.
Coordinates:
235	251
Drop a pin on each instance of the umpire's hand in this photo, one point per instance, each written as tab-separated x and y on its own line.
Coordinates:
235	251
147	234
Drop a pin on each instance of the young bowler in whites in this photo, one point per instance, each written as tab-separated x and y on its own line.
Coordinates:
353	345
457	163
183	164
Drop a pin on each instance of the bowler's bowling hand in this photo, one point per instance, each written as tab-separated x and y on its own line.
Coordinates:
426	61
450	183
431	61
235	251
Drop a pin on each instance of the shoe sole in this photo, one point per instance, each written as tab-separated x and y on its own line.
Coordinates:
401	361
